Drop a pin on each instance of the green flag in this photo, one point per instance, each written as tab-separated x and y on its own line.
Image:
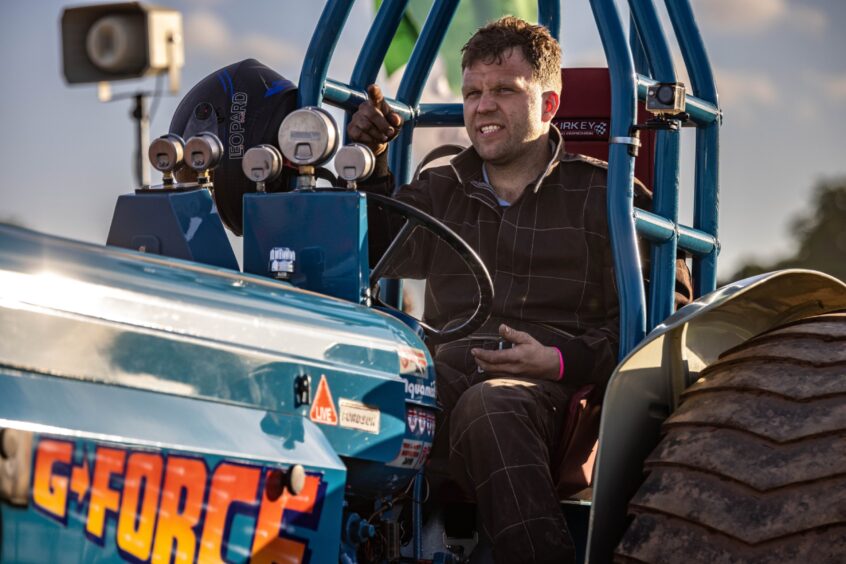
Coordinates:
470	15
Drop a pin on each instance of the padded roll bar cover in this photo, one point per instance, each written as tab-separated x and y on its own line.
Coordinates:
584	119
245	104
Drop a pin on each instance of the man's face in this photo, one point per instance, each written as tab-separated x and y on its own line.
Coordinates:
505	110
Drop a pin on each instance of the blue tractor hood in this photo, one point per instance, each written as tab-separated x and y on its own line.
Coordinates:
80	312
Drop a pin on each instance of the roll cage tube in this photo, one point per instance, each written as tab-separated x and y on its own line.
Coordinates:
659	227
658	64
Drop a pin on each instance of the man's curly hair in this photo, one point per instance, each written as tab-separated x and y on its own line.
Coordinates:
494	41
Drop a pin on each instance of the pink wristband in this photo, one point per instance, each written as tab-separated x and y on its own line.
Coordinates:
560	364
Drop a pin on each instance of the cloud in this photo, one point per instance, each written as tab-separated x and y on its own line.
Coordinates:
741	92
807	110
741	15
825	86
205	3
587	58
835	87
823	93
272	51
755	16
807	19
208	34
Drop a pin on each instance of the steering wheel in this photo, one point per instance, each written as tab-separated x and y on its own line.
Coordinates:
484	284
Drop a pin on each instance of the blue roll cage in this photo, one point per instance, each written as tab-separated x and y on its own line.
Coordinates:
634	63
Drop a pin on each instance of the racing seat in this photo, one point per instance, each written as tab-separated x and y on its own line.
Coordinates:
584	119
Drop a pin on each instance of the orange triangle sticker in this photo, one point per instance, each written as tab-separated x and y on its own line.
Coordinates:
323	408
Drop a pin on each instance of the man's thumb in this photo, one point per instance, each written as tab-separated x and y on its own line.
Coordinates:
374	93
515	336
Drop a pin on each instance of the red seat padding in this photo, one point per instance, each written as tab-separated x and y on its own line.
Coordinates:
584	119
576	454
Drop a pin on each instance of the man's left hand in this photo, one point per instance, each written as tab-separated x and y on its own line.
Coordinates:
527	357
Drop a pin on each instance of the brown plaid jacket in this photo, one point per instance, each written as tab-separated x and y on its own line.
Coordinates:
548	254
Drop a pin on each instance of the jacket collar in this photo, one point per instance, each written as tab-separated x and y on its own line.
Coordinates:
467	164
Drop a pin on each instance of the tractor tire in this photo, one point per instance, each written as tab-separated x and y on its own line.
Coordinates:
751	467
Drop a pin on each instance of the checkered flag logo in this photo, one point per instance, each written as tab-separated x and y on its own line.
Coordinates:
600	128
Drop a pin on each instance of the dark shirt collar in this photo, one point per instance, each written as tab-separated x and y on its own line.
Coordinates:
467	164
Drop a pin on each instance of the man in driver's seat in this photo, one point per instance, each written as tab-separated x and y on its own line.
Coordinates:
536	216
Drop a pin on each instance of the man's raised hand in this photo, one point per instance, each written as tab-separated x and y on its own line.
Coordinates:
374	123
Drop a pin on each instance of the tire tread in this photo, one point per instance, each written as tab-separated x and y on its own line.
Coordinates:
752	464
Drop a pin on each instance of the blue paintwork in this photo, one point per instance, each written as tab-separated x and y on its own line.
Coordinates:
706	187
374	49
641	62
549	15
656	228
374	480
450	114
705	206
440	115
160	324
143	418
409	92
348	98
665	204
181	224
620	214
319	53
327	231
666	184
92	415
414	78
178	343
621	175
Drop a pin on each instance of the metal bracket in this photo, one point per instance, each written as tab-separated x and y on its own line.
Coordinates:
633	142
15	465
302	390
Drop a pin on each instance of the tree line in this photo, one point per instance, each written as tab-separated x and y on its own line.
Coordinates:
819	233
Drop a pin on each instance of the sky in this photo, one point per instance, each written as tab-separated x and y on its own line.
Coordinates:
780	67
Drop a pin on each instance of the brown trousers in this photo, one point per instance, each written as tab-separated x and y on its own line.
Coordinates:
502	434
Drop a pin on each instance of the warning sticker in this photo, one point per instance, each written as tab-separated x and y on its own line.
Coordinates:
421	423
323	408
412	454
412	361
356	415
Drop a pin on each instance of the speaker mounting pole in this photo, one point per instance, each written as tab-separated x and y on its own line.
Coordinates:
142	138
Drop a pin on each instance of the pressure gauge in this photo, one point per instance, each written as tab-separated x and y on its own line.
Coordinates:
202	153
354	162
166	154
262	163
308	136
